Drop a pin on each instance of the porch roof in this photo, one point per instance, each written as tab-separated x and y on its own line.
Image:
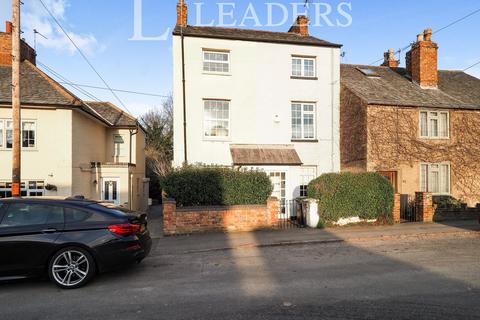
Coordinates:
258	154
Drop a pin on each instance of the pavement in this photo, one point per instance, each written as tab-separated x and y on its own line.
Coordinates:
298	236
433	273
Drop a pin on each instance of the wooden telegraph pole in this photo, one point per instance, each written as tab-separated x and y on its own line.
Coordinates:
16	106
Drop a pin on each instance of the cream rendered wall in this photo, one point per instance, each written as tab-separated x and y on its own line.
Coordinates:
89	145
259	88
51	160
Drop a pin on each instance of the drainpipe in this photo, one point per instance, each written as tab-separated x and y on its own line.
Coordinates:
185	158
130	175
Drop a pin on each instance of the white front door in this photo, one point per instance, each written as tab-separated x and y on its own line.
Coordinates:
111	190
279	189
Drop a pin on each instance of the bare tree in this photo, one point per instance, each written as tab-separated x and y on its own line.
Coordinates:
158	124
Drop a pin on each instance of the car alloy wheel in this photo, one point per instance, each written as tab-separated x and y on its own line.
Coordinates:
71	268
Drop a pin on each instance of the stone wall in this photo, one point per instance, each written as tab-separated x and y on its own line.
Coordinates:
190	220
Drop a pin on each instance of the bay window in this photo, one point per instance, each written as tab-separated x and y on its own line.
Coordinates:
435	178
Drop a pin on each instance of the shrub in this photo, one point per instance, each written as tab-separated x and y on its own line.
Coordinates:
444	202
206	186
343	195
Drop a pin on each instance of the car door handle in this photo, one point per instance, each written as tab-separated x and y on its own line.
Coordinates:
49	230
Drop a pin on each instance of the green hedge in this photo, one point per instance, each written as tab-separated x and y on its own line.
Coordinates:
207	186
343	195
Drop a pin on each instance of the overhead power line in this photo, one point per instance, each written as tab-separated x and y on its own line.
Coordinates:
64	80
434	32
119	90
473	65
84	56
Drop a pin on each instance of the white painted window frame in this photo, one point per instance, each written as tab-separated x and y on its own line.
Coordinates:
303	113
3	137
217	138
429	128
216	51
429	171
303	59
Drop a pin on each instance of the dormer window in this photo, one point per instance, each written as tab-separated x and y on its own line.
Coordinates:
303	67
216	61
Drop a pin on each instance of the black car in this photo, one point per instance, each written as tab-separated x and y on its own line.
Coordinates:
70	240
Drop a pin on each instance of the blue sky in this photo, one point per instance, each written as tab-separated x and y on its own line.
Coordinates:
103	29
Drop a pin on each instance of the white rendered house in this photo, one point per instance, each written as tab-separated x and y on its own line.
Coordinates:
257	100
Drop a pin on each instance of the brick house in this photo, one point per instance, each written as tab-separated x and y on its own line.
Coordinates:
418	126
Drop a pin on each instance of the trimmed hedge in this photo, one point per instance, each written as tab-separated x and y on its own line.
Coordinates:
344	195
210	186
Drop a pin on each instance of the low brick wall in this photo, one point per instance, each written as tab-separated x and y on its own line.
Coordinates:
225	219
456	214
396	208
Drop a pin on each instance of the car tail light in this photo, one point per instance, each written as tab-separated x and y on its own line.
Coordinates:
125	229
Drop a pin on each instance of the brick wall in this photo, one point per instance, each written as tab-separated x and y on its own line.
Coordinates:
424	204
224	219
27	52
353	132
396	208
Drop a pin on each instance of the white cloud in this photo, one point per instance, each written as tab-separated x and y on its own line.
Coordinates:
34	16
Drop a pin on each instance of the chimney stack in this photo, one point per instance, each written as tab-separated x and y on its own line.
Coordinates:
182	14
27	52
9	27
389	59
422	61
300	26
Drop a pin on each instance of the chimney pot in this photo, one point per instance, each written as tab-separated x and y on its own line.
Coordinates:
9	27
427	34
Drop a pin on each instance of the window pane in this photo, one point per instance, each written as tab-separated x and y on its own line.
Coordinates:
423	124
433	127
443	124
309	68
297	67
424	178
308	128
444	179
9	135
30	215
296	121
76	215
28	134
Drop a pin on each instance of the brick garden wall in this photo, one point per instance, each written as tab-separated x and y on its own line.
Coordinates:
223	219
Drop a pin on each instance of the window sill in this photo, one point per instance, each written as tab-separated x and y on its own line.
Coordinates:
304	140
434	138
23	149
303	78
217	139
217	74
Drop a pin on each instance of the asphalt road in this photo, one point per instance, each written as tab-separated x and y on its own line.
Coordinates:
422	279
